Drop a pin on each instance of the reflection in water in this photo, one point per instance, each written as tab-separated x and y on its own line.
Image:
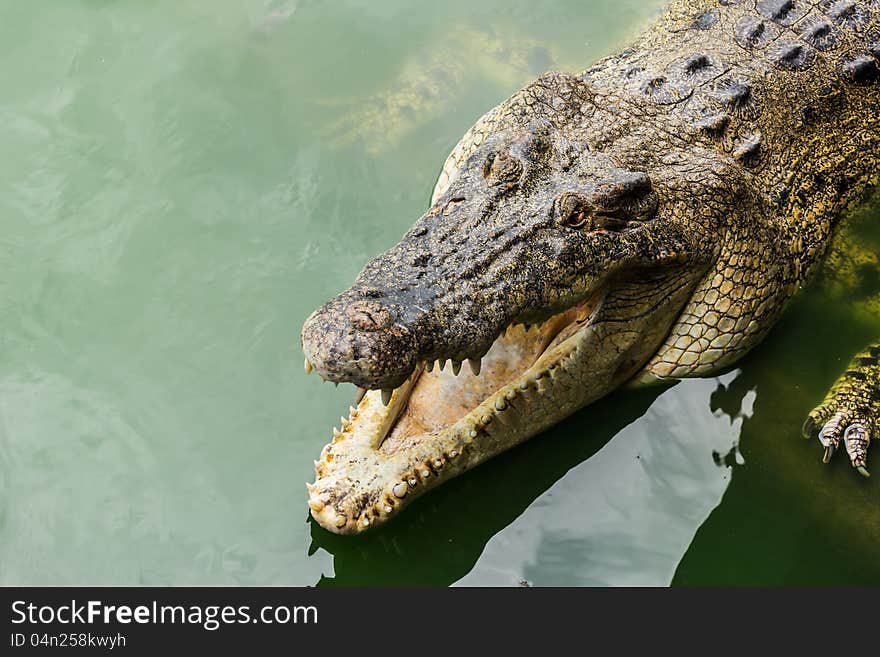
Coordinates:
422	90
570	507
788	519
626	515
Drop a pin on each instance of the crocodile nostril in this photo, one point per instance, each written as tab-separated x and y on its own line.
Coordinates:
453	203
421	259
369	316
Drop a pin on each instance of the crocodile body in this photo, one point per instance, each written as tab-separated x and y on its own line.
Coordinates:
652	216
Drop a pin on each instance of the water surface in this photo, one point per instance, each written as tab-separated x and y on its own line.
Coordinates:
183	182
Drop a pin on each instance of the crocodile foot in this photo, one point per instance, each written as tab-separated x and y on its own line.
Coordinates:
850	412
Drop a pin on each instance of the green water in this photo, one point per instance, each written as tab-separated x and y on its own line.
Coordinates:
182	182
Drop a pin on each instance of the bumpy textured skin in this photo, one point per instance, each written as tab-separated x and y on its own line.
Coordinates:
729	140
798	141
789	90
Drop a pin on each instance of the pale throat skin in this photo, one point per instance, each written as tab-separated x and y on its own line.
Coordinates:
651	217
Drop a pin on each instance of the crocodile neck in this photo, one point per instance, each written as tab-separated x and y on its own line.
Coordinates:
785	88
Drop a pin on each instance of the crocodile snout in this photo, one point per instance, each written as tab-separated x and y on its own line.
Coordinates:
360	341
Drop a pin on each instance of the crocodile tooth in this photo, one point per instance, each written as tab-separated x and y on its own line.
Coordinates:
311	487
425	472
336	432
316	505
413	482
437	464
386	396
456	367
387	508
365	522
345	423
476	365
454	453
352	412
472	433
308	366
399	489
340	521
359	395
500	404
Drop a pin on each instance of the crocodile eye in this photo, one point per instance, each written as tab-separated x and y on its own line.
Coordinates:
502	168
573	211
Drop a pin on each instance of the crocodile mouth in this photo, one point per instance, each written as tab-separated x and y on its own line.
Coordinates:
446	419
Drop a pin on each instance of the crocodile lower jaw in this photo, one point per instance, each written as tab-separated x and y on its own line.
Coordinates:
439	424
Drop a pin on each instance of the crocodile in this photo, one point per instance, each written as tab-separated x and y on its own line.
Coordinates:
645	220
431	81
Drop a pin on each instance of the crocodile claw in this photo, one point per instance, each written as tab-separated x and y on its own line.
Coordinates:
831	433
840	427
856	439
829	452
808	430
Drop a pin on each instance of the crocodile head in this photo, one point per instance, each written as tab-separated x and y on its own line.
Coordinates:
553	268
